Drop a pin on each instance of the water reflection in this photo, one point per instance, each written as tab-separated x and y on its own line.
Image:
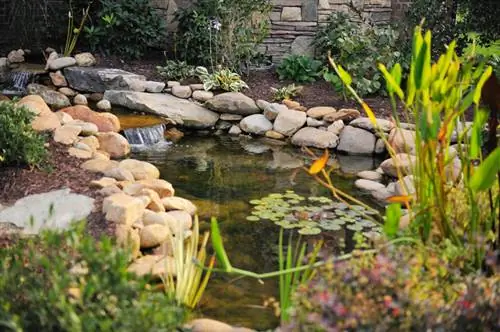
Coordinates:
221	175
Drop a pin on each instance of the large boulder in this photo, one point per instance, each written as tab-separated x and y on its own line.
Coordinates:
181	111
179	203
91	79
54	99
402	162
62	62
123	209
365	123
45	119
67	134
256	124
320	111
402	140
233	102
103	121
141	170
115	144
345	114
314	137
52	210
356	141
85	59
289	122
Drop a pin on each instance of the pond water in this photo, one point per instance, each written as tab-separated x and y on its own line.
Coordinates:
221	174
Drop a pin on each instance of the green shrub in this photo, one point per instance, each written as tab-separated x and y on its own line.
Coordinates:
222	79
127	28
359	48
299	68
176	70
400	289
70	282
19	143
221	32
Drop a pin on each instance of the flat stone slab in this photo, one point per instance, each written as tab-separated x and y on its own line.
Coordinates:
54	210
91	79
181	111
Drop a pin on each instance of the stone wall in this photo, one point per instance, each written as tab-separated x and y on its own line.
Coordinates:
399	7
294	22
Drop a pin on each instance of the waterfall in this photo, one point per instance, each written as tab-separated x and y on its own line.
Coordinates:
146	135
19	80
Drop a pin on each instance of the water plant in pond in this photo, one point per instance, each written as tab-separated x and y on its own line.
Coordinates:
456	197
190	282
313	214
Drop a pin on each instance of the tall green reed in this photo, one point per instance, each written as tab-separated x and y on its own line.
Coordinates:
437	97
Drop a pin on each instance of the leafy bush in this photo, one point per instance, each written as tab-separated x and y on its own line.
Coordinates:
358	48
299	68
70	282
127	28
223	79
221	32
286	92
402	288
176	70
19	143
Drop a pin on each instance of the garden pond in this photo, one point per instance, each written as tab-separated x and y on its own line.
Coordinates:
247	184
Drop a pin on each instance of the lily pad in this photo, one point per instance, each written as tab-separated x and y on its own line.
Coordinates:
354	227
253	218
310	231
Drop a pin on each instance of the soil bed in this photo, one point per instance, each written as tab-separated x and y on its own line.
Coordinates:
64	172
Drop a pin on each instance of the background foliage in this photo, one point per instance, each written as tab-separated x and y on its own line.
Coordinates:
359	47
127	28
221	32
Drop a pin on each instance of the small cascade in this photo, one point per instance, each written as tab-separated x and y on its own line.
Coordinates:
20	80
145	136
17	83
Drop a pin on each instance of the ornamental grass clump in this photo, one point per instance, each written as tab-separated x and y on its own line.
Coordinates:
437	97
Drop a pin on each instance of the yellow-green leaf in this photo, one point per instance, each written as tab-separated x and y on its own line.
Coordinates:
218	246
392	82
344	76
484	176
477	93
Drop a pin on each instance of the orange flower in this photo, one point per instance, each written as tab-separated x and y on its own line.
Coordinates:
319	164
405	199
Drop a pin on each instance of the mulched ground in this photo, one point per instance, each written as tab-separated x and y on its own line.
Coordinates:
64	172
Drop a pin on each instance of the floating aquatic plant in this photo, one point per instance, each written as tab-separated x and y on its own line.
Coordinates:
313	214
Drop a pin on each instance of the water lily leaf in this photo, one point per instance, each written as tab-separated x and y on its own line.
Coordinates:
340	206
253	218
255	202
294	201
354	227
307	223
275	195
331	227
310	231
